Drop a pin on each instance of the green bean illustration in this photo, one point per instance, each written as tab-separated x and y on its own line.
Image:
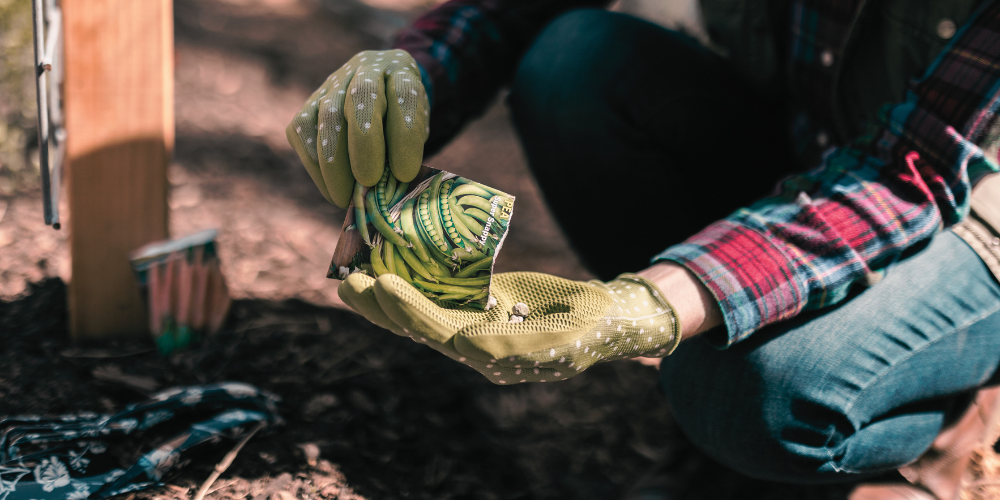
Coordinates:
475	201
360	218
380	223
468	189
462	254
439	265
475	267
470	182
485	280
434	211
443	288
390	186
426	220
453	297
441	252
381	199
400	264
461	222
377	263
470	223
476	213
418	267
410	231
400	193
451	227
388	257
434	243
446	222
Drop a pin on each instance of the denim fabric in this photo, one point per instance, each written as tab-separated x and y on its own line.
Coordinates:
853	390
638	131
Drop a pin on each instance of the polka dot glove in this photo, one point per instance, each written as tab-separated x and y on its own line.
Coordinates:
373	103
569	326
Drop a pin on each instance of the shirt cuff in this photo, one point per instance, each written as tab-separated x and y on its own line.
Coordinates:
748	273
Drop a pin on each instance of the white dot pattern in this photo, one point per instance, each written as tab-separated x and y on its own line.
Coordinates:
591	302
373	87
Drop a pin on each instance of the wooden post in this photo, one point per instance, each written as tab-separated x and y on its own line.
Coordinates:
120	134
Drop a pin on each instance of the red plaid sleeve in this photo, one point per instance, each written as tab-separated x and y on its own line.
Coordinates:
844	222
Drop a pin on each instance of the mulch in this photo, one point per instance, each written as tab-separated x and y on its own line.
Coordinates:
388	417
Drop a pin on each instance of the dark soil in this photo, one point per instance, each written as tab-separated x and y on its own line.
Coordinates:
395	418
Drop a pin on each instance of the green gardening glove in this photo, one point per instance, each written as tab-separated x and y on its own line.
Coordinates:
569	326
373	103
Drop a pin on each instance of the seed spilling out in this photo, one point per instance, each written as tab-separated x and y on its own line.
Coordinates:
520	309
515	318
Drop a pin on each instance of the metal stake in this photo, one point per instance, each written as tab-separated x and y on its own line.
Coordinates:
47	52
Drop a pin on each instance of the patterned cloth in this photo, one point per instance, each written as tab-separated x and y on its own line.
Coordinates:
66	457
842	223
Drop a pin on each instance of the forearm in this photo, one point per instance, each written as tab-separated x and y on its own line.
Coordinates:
695	306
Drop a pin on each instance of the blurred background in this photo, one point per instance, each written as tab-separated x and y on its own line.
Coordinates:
243	67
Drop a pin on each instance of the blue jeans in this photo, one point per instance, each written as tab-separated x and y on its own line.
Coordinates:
849	391
607	103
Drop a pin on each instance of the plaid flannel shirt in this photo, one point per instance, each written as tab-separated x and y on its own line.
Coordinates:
824	231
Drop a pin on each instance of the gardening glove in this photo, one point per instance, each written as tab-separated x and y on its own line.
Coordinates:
373	103
569	326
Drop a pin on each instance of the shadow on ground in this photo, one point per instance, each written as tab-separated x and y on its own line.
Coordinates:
397	419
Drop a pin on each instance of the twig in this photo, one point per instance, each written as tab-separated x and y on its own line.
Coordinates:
226	462
981	483
217	488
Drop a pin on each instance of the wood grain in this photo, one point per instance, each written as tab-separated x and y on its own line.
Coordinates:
120	127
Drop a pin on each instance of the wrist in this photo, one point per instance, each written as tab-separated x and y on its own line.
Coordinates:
696	308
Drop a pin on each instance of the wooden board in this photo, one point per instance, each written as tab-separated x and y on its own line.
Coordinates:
120	127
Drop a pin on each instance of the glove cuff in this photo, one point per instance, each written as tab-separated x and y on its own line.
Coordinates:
665	316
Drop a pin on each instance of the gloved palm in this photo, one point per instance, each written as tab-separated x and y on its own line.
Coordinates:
571	325
373	103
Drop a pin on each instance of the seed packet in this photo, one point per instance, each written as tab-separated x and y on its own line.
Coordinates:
182	284
440	232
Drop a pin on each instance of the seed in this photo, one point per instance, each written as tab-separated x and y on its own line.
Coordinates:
520	309
515	319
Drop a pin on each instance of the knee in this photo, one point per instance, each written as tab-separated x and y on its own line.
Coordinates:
561	66
744	410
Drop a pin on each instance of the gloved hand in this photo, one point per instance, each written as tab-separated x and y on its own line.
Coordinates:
570	325
339	133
